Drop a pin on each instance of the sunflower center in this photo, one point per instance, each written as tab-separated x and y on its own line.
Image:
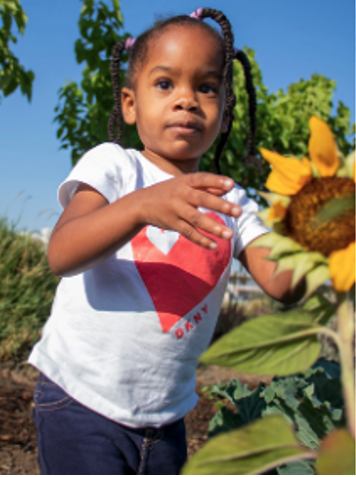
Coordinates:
321	216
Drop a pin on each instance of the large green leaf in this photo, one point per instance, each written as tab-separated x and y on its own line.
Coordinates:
253	449
337	454
272	344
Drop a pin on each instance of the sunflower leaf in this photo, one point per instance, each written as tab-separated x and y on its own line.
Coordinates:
315	278
284	246
315	301
322	308
286	263
266	240
301	263
280	344
252	449
304	263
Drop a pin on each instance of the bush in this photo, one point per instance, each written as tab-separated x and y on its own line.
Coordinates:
311	401
26	291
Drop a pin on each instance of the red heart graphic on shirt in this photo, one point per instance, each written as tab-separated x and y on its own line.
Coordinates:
178	276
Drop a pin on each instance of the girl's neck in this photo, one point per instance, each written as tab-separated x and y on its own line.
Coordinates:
171	166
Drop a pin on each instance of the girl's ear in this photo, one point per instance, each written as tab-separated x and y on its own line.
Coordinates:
128	105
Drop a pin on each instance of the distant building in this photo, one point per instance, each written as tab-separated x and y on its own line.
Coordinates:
240	288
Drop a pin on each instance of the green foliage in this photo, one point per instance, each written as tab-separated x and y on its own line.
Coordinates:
26	292
282	124
311	401
12	73
249	450
281	345
83	111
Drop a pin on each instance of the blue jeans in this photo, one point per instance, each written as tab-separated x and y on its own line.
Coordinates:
73	440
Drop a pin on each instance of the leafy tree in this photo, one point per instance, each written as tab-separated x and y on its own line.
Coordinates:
282	117
12	73
83	111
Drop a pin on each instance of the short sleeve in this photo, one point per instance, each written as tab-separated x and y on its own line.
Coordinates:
99	168
248	226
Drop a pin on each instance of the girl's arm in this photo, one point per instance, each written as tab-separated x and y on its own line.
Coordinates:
279	287
90	229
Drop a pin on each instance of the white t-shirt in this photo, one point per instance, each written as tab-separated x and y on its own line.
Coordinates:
123	338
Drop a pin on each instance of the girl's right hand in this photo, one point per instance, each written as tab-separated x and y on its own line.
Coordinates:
173	205
90	229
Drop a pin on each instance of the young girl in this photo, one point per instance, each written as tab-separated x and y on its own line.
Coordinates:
145	244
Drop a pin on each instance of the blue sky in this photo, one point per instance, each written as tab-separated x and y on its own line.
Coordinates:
292	40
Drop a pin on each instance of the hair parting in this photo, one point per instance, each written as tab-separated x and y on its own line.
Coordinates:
138	53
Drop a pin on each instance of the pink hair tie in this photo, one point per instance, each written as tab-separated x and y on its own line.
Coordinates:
129	43
197	14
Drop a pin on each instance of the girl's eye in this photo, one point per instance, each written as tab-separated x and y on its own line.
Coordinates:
164	84
207	89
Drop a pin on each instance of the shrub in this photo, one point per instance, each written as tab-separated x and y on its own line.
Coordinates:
27	288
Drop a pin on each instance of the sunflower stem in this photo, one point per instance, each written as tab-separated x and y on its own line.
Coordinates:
346	330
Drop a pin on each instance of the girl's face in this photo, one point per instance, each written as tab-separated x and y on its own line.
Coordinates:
178	99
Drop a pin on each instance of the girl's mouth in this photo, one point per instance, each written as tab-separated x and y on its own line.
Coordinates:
185	128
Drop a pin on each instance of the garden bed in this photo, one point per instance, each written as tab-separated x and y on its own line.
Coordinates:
18	448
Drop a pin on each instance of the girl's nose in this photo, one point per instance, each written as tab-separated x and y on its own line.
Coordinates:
186	101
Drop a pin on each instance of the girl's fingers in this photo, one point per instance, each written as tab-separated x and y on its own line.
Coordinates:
215	191
207	180
212	202
195	236
201	222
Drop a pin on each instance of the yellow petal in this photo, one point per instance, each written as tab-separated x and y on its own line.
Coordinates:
288	175
277	211
342	268
322	147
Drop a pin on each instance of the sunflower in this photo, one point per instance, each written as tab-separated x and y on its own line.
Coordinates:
312	212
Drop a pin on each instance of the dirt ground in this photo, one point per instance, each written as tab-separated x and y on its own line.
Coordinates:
18	449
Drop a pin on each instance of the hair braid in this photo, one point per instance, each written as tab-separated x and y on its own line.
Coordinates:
230	100
116	114
242	58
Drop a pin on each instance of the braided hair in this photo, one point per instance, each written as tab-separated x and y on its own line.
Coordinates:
138	54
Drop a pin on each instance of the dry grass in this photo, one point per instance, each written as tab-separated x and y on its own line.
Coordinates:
27	288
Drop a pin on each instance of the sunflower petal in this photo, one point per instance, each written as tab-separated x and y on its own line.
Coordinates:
277	211
288	175
322	147
342	268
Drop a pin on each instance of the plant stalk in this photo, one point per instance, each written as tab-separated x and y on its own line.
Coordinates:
346	332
